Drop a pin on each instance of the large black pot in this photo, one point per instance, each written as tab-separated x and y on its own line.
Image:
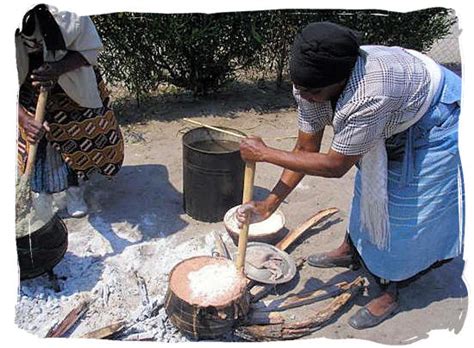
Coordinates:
40	251
213	174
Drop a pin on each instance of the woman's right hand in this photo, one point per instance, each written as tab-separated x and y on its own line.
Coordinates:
47	75
34	129
254	210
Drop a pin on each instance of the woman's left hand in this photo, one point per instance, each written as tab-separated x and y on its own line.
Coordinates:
46	75
252	149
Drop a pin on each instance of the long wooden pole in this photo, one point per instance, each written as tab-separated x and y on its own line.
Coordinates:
247	197
39	116
214	128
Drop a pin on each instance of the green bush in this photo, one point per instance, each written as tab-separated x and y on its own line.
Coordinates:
417	30
200	52
197	52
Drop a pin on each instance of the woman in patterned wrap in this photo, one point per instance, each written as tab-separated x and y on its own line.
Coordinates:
57	51
395	116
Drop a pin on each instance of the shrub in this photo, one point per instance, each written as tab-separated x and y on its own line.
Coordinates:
201	52
198	52
417	30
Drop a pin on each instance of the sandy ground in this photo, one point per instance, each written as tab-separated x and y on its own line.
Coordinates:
137	231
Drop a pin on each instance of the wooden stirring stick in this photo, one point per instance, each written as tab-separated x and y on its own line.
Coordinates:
215	128
249	177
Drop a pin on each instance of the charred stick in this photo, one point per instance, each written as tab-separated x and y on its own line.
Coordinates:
71	318
142	289
294	330
291	237
328	312
221	247
262	318
297	300
304	297
106	331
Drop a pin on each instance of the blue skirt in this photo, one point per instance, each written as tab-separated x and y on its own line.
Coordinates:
425	193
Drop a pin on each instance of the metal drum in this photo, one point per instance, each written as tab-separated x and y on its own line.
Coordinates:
213	174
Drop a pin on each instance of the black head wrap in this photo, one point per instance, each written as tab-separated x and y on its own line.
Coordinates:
322	54
48	27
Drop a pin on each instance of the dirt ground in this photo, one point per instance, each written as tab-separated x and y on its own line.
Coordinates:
137	229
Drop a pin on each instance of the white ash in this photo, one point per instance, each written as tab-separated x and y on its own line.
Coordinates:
103	263
213	281
104	270
155	328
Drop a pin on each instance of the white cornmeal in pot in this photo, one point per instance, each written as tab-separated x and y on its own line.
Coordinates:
213	281
272	224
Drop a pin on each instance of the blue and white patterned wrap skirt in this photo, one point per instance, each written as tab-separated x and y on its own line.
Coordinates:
425	193
51	173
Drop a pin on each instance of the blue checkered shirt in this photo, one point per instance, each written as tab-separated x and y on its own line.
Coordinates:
386	88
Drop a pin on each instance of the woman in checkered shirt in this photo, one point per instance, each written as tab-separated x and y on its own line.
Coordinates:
395	116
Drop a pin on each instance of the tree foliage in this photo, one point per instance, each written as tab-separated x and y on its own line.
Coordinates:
201	52
195	51
416	30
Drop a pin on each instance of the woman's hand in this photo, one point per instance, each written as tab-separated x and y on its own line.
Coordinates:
34	130
256	211
252	149
46	75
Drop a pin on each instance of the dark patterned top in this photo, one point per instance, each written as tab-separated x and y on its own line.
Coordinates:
88	139
387	87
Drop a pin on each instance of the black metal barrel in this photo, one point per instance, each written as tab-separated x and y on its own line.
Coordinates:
213	173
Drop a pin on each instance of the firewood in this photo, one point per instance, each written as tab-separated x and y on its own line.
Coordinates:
261	332
325	314
71	318
292	330
142	289
221	247
299	299
304	297
291	237
261	318
106	331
